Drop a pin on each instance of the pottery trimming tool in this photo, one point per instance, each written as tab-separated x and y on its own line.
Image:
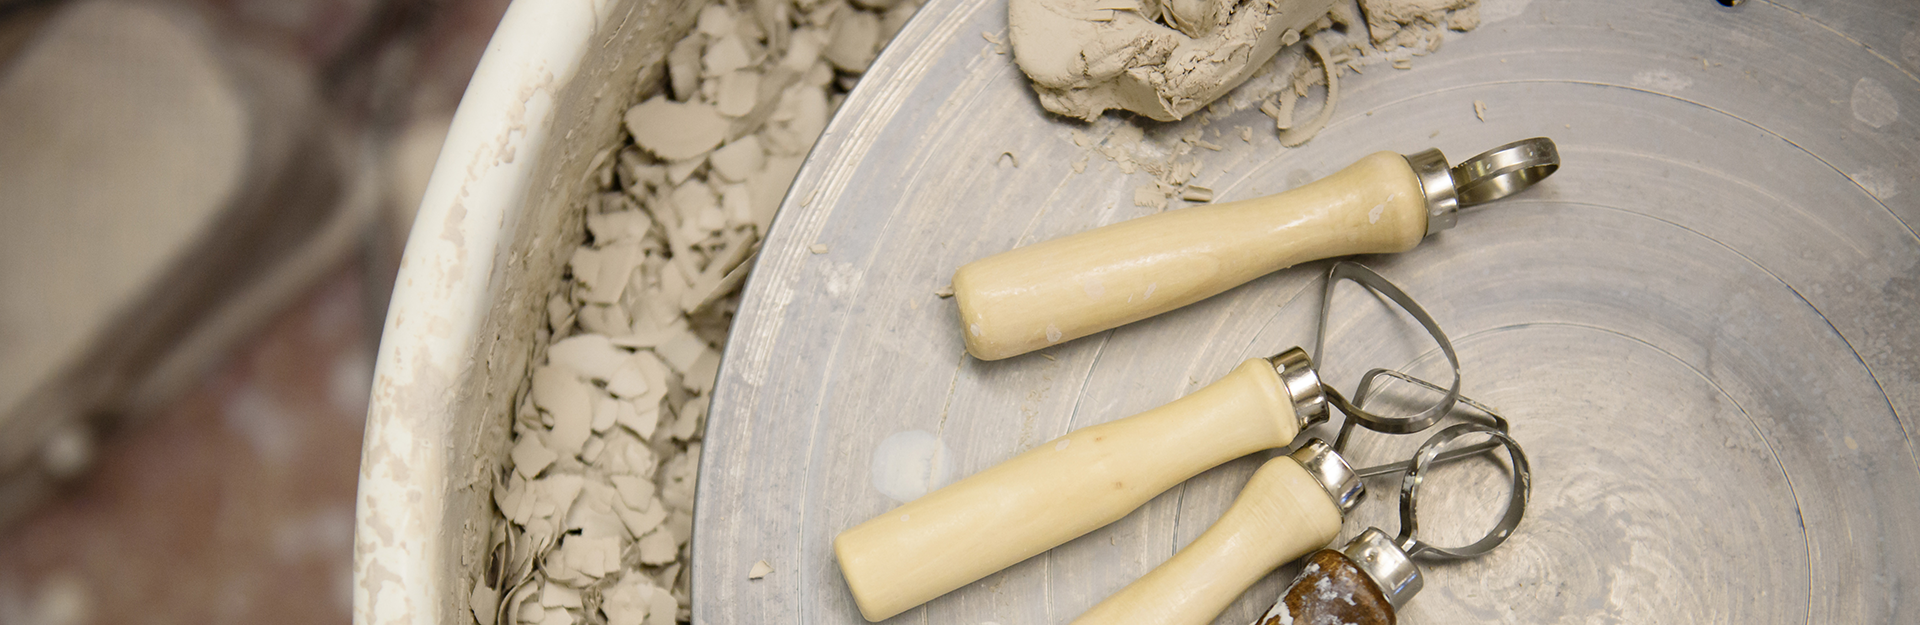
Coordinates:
1259	533
1059	290
1093	476
1273	522
1367	581
1270	524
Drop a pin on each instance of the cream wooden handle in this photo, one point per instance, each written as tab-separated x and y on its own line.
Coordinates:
1281	515
1059	290
1058	491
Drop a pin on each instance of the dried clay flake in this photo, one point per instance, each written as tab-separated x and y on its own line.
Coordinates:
596	503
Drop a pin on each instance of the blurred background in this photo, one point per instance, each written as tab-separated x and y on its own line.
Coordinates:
204	204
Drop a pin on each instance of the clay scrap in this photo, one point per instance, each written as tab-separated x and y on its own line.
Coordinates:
1161	60
1166	59
596	500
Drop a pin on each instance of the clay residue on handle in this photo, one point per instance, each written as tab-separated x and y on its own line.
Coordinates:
1331	590
1086	56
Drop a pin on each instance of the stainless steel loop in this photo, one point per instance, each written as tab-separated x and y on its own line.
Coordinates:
1365	392
1416	476
1360	274
1504	170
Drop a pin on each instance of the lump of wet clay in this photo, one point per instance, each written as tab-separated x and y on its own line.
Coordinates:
1087	56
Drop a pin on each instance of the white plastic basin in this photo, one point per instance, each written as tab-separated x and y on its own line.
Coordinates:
492	236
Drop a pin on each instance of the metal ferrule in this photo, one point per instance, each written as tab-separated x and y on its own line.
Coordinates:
1436	183
1395	573
1303	386
1333	473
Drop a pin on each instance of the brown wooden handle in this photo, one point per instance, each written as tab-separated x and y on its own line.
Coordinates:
1331	589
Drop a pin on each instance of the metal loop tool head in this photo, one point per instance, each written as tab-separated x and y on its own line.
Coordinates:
1367	390
1489	176
1504	170
1417	471
1390	424
1390	562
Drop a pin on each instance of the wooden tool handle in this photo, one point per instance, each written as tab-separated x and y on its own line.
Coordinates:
1331	589
1281	515
1059	290
1058	491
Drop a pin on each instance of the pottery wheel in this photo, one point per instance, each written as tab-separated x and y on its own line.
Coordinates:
1703	327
